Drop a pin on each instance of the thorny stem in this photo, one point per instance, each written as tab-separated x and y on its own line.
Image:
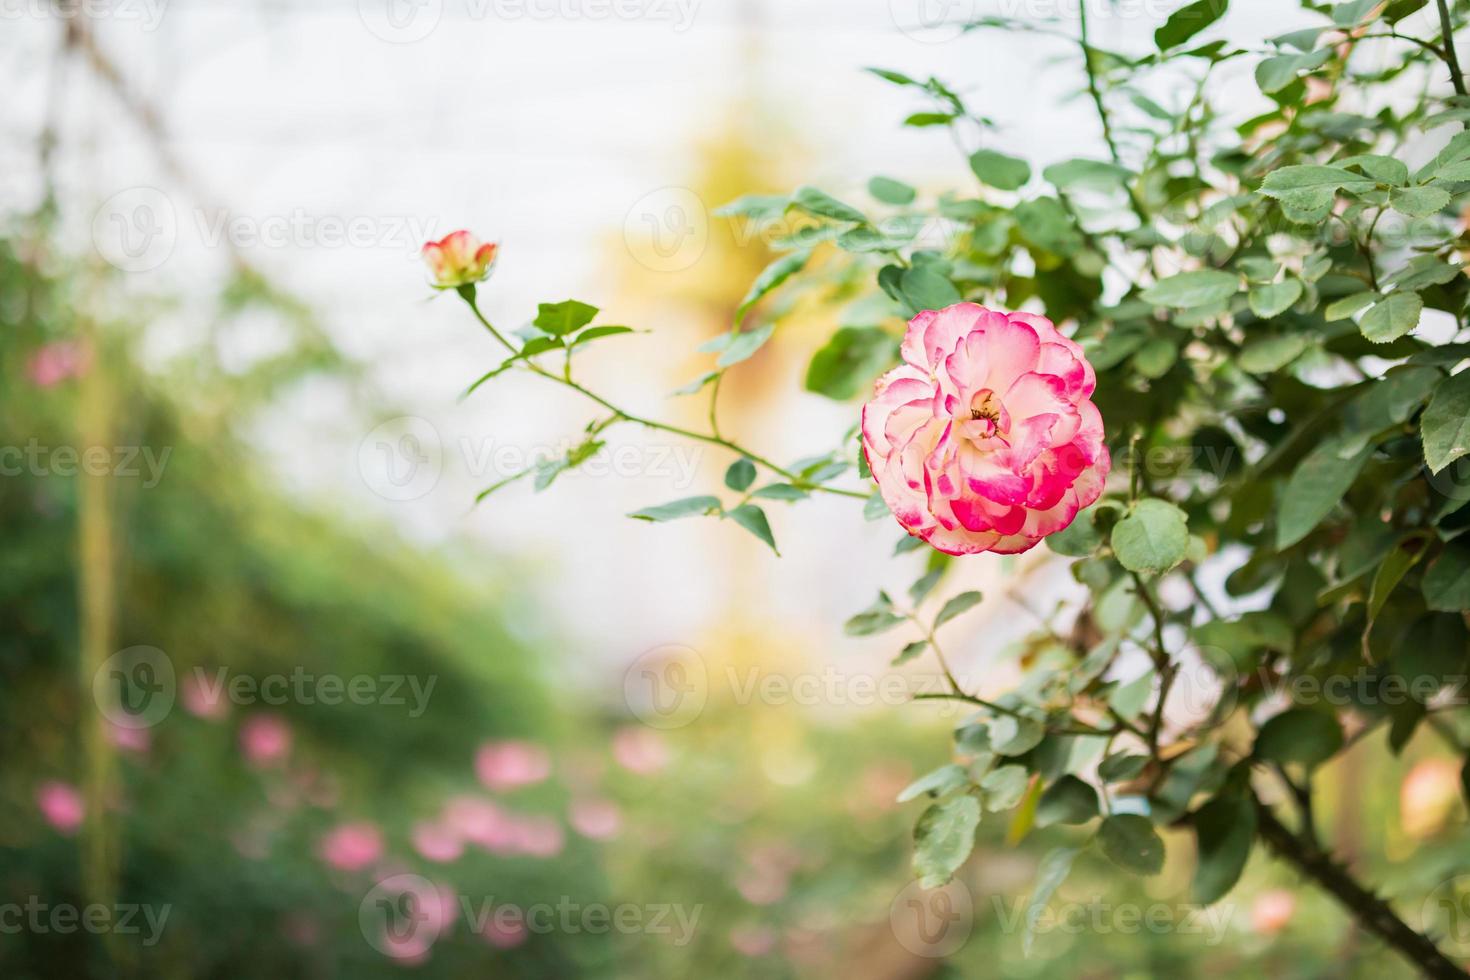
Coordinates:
1102	113
1447	38
713	440
1366	908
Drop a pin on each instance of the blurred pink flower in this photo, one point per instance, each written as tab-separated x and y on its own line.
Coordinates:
538	836
639	750
129	739
61	805
597	819
265	740
505	928
437	841
57	361
1429	794
352	846
750	940
764	886
1272	910
508	765
480	822
201	698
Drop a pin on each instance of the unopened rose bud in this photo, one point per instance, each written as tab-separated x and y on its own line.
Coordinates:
459	259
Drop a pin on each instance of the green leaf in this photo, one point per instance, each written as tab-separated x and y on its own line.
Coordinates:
847	364
562	318
1188	21
1454	172
824	205
891	191
875	508
1010	735
945	779
1352	12
1121	767
1226	829
1274	74
1341	309
743	345
675	509
1381	168
921	588
1003	788
1391	317
955	606
594	333
1445	425
698	383
1446	582
753	519
920	119
770	277
1274	299
1312	186
1069	800
1155	358
1299	735
1006	173
909	652
1078	539
1315	487
780	491
1131	842
1418	202
877	618
1152	538
944	837
740	475
1271	353
1186	290
1094	174
927	289
1054	868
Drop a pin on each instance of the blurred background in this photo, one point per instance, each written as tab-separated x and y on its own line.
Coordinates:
277	699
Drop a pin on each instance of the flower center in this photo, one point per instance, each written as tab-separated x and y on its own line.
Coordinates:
987	416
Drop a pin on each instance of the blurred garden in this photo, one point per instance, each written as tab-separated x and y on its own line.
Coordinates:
267	710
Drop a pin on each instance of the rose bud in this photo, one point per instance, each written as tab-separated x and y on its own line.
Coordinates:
459	259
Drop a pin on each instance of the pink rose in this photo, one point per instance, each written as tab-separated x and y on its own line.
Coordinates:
265	740
985	438
201	698
437	841
639	750
352	846
509	765
597	819
459	259
56	362
61	805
